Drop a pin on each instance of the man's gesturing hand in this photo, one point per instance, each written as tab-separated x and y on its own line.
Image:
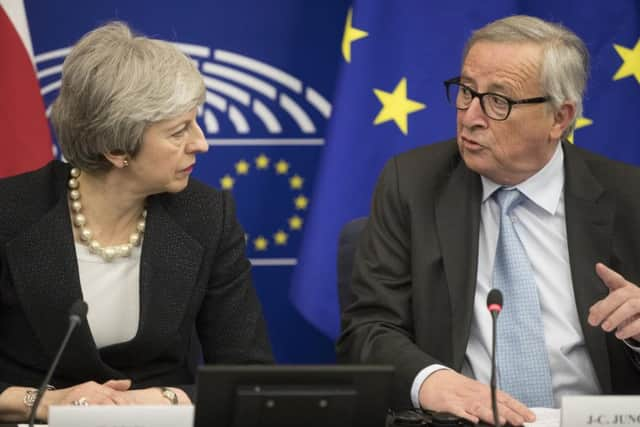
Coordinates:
620	310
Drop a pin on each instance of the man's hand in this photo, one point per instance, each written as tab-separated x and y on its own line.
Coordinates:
620	310
449	391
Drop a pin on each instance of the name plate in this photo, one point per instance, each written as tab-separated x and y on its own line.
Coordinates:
121	416
595	411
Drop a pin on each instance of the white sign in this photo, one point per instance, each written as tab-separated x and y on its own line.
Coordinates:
600	411
121	416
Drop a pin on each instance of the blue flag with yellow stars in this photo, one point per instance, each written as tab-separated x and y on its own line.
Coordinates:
391	98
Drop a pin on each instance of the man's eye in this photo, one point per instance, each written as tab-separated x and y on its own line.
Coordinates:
498	101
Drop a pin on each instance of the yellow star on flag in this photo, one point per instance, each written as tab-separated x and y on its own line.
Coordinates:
262	162
296	182
351	34
242	167
580	123
301	202
282	167
260	243
396	106
631	64
226	182
295	222
280	238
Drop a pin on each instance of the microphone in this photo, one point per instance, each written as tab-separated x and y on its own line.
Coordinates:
77	312
494	304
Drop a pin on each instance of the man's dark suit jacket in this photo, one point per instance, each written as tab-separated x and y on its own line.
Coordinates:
414	276
195	285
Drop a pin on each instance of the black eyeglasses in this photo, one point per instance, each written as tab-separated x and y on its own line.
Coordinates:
495	106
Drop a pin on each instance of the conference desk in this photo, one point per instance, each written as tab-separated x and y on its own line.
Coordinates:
545	417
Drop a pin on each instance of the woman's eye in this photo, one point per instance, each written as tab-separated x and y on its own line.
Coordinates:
179	133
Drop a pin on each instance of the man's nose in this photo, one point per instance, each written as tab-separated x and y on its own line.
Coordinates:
474	116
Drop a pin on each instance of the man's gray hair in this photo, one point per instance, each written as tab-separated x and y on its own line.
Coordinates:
565	58
114	85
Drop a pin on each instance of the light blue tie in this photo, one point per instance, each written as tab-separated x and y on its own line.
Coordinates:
522	360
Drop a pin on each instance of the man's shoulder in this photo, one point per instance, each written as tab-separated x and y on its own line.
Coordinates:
432	162
439	153
608	171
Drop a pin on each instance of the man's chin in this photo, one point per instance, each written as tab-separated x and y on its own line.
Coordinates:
476	162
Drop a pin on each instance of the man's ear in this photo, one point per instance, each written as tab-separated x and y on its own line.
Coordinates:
562	118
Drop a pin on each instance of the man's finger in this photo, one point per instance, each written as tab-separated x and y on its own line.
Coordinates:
611	278
486	414
606	310
629	329
514	418
620	312
516	406
461	413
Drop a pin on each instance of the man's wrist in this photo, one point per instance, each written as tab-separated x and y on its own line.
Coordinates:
419	380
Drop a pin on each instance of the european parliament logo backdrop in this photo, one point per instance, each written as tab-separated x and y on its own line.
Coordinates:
306	100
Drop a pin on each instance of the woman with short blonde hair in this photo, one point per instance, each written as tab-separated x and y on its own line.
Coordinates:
158	257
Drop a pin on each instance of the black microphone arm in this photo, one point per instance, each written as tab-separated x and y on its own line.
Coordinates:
494	304
77	312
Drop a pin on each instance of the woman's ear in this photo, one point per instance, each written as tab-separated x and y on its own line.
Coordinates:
118	158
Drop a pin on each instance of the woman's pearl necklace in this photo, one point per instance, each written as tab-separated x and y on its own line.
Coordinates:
108	253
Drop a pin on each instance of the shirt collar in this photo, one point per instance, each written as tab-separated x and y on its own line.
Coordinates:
544	188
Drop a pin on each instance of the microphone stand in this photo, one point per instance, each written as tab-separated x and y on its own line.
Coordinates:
78	311
494	399
494	304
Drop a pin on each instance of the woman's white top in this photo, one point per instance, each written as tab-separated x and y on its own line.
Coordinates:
112	292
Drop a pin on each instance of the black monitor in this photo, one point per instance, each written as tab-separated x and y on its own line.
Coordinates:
283	396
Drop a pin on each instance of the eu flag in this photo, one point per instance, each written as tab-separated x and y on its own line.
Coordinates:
390	98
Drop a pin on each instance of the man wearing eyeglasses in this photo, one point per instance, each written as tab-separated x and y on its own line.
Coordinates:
510	205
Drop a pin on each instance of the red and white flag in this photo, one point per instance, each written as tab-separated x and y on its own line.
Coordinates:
25	139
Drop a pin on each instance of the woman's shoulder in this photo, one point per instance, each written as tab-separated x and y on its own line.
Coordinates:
32	192
43	174
196	194
199	209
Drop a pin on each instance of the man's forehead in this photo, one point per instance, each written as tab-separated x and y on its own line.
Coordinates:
502	65
508	48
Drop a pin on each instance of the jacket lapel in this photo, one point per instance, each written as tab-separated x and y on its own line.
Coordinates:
589	218
43	264
169	268
458	222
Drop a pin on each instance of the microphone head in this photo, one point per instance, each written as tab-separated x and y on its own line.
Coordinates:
78	311
494	301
